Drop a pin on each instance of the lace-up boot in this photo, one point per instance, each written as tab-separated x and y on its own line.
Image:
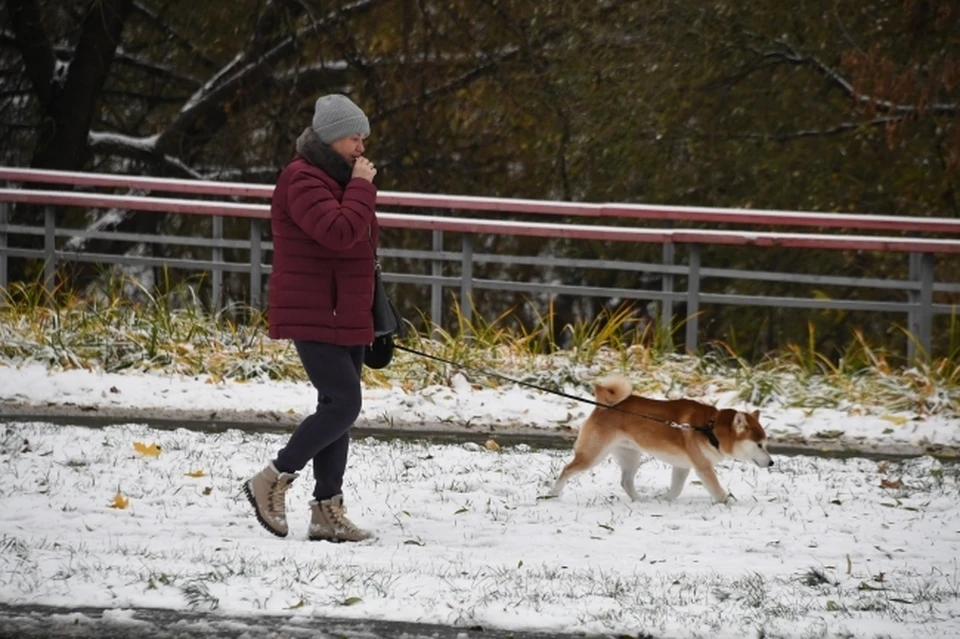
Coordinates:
267	493
329	522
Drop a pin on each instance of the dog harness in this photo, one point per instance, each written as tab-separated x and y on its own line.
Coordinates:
706	430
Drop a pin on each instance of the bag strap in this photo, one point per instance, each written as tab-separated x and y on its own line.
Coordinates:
376	257
370	239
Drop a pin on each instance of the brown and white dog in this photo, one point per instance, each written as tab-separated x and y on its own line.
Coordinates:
634	425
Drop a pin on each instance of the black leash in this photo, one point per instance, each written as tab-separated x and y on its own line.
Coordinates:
706	430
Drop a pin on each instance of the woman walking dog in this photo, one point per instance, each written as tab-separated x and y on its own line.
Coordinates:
325	234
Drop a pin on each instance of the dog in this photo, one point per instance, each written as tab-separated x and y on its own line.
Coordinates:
682	432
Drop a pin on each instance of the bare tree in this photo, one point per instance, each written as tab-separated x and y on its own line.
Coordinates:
68	91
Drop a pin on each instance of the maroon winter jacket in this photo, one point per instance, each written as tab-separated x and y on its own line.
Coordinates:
321	286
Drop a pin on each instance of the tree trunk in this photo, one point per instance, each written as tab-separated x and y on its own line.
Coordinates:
69	91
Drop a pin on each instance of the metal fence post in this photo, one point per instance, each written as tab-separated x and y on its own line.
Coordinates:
436	289
466	278
925	312
216	274
256	265
3	246
913	298
693	298
49	249
666	306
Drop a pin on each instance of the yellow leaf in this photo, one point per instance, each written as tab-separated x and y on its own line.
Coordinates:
150	451
492	445
119	501
896	420
196	474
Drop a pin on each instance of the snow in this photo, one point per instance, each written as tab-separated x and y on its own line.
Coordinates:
106	220
146	144
465	534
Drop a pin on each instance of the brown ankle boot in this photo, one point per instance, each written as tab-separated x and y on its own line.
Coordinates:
267	493
329	522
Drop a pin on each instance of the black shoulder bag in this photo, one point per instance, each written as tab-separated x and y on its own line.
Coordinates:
386	319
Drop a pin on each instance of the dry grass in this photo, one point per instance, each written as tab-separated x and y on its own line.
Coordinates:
126	327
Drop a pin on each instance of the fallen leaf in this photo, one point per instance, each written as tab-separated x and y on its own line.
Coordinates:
896	420
196	474
119	502
891	483
208	490
151	450
829	434
492	445
352	601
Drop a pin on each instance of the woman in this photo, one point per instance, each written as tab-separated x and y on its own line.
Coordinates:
325	234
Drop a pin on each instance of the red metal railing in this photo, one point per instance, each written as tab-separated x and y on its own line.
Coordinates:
845	221
905	234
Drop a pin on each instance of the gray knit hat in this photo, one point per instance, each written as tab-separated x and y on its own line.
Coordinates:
336	116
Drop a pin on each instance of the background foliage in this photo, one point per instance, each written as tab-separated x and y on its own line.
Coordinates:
822	105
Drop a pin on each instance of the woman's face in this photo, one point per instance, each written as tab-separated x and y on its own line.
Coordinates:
349	147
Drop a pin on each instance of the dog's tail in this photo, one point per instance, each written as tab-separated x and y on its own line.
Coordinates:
612	390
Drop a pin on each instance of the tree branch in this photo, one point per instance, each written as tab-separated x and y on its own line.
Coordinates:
791	55
175	36
455	84
207	110
148	68
141	150
818	133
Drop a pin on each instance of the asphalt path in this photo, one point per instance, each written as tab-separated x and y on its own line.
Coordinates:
440	433
29	622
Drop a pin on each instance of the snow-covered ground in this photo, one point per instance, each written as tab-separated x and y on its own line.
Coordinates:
811	547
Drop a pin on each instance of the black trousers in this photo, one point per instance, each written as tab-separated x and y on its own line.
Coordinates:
324	436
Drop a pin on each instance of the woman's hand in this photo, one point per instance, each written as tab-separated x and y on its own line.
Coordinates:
364	169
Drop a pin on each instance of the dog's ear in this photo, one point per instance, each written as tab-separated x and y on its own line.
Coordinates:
756	415
739	422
